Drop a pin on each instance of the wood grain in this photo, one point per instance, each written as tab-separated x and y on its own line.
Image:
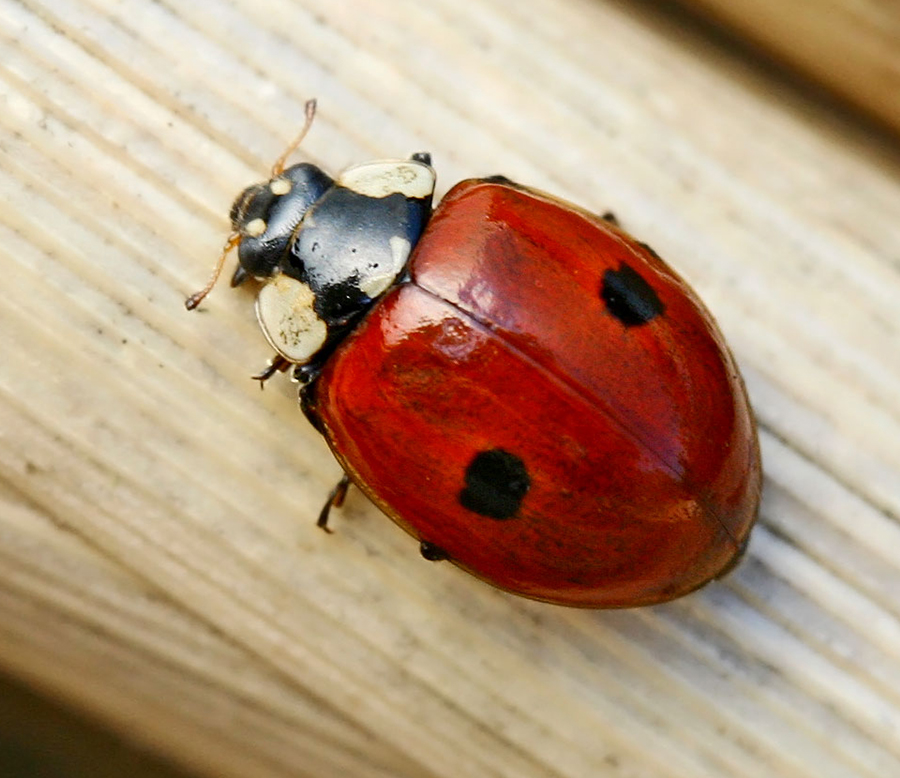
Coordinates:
158	563
851	47
40	738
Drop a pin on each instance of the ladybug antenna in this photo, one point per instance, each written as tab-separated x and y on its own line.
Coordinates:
197	297
278	167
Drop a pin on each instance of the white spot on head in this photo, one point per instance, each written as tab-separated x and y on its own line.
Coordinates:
255	227
279	186
285	312
380	179
374	284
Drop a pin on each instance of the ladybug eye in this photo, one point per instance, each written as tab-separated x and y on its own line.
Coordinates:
629	297
496	483
241	203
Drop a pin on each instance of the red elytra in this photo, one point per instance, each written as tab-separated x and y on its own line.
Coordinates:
540	342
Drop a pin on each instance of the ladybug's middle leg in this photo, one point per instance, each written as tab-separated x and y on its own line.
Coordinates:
335	500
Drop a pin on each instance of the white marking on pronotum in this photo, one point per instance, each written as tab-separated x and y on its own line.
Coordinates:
279	186
374	285
380	179
399	251
255	227
286	315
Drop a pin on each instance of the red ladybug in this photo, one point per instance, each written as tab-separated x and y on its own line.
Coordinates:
519	384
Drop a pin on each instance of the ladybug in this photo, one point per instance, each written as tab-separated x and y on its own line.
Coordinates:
522	386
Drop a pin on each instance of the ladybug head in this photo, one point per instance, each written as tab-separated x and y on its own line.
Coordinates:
324	249
265	215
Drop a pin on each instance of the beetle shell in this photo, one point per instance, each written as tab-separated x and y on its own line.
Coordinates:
547	403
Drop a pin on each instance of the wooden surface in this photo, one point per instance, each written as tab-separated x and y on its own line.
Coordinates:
41	739
159	567
851	47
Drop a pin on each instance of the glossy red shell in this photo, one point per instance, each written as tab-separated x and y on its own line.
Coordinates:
639	444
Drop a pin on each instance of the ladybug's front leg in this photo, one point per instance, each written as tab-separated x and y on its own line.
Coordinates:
277	364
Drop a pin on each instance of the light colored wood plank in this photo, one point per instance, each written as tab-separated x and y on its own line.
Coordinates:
40	738
158	563
851	47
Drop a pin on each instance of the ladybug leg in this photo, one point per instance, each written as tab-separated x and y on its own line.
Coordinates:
432	552
610	217
278	364
306	374
335	500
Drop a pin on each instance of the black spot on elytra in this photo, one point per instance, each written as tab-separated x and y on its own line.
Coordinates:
496	483
629	297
